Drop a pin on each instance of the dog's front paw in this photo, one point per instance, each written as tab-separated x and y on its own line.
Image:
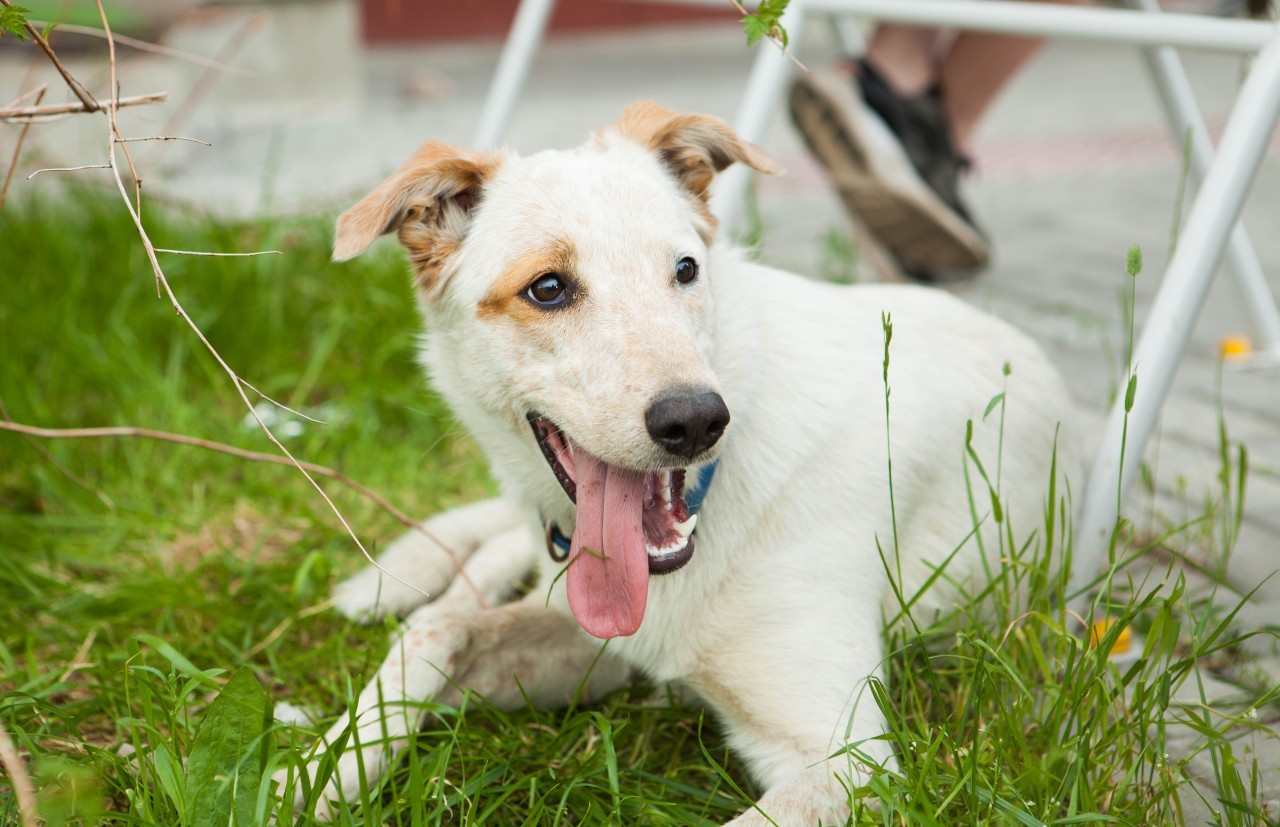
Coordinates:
370	594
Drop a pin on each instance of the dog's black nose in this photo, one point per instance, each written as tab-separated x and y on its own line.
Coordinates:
687	423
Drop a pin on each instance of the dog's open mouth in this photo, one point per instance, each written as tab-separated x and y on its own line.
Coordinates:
630	524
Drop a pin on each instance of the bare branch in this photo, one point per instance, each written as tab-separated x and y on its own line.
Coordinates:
284	625
36	93
163	138
155	48
231	255
281	405
253	456
162	283
17	150
204	83
62	469
87	100
114	138
68	169
78	659
22	114
17	772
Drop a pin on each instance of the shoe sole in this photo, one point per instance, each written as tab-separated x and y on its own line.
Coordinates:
878	184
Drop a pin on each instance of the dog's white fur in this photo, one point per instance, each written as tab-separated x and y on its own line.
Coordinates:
776	622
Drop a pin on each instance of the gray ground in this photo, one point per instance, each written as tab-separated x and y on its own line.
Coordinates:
1074	165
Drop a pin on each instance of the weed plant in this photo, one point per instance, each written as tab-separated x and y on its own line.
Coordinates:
156	600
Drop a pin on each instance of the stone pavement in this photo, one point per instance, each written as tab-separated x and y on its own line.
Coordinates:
1074	166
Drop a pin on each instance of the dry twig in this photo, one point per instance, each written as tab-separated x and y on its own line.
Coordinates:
17	151
162	283
154	48
205	82
283	626
38	114
231	255
252	456
164	138
23	791
78	659
68	169
114	139
281	405
38	92
62	469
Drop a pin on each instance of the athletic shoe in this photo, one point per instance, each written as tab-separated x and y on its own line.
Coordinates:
896	169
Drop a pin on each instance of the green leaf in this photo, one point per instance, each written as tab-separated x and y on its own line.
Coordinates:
991	406
1130	392
766	22
169	774
176	658
755	27
227	759
13	21
48	29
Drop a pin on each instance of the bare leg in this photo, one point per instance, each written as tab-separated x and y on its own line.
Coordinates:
972	70
976	67
906	56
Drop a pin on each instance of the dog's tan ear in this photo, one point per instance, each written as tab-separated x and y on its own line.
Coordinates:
693	147
429	200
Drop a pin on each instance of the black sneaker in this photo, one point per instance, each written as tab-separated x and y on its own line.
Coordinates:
896	169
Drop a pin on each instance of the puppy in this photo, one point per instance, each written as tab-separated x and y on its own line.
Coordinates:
701	441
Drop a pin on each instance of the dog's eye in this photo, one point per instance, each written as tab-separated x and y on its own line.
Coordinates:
550	290
686	270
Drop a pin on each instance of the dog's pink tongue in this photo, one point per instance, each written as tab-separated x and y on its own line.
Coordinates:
608	580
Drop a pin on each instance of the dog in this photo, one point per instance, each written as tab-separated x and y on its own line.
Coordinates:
693	452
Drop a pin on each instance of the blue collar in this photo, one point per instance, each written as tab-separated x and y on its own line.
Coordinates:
558	545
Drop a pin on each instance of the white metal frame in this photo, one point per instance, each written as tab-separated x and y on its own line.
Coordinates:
1211	230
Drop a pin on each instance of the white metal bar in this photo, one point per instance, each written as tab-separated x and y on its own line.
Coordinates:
1184	118
760	101
1075	22
513	68
1177	303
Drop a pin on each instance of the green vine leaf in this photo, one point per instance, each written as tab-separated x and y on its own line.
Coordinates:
766	21
13	22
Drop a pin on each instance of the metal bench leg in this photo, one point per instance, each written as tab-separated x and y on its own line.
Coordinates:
1177	303
759	103
1184	117
513	68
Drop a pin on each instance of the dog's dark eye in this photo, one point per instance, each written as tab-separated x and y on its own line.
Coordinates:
686	270
550	290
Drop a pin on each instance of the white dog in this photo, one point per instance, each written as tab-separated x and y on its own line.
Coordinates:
622	370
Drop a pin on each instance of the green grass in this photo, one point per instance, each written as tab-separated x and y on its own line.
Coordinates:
136	577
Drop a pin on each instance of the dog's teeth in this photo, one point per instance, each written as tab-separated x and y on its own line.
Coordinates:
686	528
675	548
665	493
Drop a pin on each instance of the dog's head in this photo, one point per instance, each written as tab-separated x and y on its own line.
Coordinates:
567	299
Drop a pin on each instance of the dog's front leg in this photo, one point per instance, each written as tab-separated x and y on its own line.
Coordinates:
810	785
505	654
424	562
795	705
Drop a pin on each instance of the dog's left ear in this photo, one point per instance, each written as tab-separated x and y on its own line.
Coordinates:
429	200
693	147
